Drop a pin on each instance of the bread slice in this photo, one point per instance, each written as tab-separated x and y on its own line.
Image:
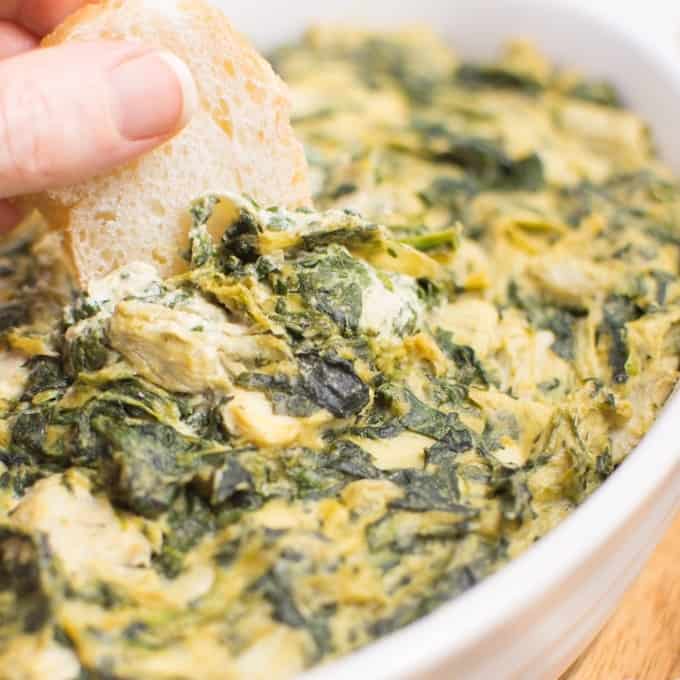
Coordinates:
240	140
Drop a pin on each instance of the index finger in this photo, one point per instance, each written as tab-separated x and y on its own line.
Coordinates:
39	16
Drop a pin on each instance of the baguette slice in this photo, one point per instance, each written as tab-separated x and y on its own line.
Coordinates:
240	140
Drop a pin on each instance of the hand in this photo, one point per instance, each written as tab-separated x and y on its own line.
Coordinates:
77	110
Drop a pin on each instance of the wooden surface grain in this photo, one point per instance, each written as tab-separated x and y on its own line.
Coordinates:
642	641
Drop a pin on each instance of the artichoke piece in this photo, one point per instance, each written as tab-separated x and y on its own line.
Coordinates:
183	352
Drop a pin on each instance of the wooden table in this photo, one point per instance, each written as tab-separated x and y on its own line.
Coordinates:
642	641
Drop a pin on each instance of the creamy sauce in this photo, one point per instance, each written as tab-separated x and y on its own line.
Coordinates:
336	420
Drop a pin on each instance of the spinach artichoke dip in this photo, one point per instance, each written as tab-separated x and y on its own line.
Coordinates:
336	421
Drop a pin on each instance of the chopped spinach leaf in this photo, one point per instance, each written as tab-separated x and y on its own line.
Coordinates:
332	383
24	602
13	314
46	373
350	460
424	492
148	461
442	240
230	479
490	165
561	321
452	194
352	236
188	520
426	420
496	77
333	282
470	369
287	394
87	351
617	312
597	93
29	431
276	589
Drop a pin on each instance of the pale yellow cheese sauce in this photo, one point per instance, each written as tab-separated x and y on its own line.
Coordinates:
326	428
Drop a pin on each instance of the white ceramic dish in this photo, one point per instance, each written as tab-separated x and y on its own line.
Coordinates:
532	619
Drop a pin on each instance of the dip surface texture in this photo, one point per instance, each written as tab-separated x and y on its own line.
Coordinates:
336	420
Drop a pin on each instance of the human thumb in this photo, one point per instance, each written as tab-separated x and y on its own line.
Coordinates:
70	112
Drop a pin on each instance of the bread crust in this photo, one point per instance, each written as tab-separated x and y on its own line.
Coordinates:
241	140
62	32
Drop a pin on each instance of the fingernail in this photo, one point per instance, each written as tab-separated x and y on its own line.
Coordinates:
153	95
